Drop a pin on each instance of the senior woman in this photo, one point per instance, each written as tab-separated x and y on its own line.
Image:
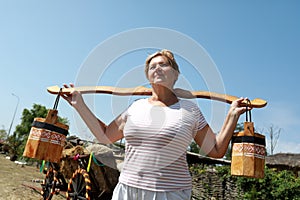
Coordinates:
158	131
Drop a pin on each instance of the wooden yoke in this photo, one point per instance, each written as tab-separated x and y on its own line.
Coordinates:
143	91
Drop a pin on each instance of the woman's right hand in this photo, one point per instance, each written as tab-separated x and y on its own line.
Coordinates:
74	98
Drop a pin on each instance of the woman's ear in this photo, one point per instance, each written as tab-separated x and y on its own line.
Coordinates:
176	75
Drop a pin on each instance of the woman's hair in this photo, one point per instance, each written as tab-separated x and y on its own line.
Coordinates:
167	54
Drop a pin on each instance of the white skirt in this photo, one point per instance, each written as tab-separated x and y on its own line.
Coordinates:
125	192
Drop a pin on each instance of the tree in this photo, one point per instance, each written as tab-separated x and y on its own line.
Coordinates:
3	133
19	138
194	147
239	127
274	133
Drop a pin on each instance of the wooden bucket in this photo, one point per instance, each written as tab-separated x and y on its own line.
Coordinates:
248	152
47	137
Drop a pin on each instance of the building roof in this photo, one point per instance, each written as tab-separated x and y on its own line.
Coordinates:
284	159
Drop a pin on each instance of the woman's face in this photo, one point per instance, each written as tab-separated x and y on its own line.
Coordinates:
161	72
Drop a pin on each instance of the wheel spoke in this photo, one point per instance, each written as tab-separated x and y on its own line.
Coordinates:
74	184
71	194
80	179
82	189
77	186
48	185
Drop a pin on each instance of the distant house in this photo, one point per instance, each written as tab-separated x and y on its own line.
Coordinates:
284	161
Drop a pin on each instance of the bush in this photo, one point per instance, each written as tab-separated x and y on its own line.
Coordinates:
275	185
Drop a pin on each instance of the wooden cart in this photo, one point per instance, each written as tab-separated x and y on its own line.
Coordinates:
80	176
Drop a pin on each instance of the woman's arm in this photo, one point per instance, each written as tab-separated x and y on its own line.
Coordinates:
104	134
216	145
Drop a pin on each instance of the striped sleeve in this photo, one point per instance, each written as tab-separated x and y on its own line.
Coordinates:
200	120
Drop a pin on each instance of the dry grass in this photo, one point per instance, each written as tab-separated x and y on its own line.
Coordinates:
13	177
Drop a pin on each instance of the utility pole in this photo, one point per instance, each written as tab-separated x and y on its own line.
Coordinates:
12	121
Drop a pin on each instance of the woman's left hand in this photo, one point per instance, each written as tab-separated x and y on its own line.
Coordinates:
237	108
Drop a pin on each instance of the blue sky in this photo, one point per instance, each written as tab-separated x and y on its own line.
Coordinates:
254	45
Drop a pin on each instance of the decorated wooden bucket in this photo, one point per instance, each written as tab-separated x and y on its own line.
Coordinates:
248	152
47	137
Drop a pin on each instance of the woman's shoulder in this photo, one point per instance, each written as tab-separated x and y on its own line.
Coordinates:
139	102
187	102
189	105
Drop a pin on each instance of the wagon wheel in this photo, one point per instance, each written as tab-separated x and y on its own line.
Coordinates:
49	184
79	186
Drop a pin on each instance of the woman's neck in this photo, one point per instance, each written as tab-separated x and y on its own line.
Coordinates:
162	96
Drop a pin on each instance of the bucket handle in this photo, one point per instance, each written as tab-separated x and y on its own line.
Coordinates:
248	111
57	100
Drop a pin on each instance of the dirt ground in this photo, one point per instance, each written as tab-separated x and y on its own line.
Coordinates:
13	177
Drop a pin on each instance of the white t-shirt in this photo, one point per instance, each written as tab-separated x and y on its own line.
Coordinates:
157	138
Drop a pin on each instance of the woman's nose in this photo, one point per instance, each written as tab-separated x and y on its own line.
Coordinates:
158	68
